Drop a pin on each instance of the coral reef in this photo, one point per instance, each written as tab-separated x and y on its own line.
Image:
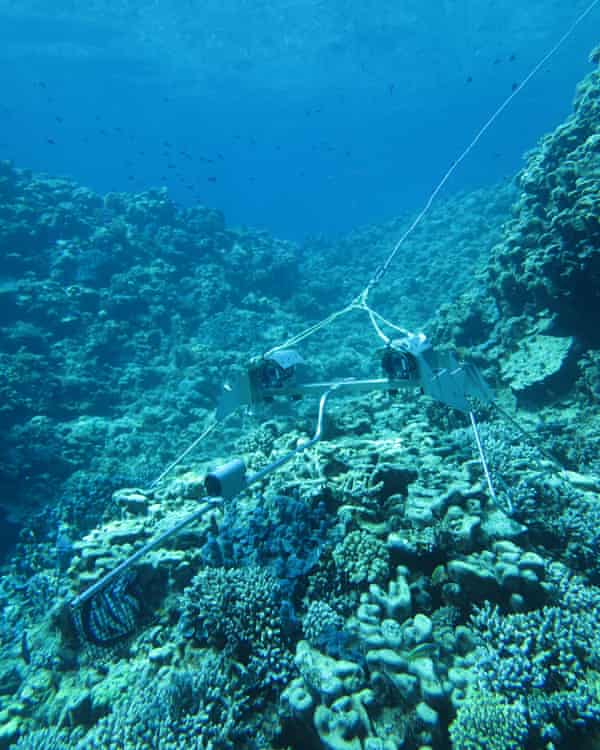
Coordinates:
487	720
240	611
373	594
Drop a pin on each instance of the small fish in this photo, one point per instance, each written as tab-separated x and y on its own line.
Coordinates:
469	79
51	141
212	178
515	86
25	651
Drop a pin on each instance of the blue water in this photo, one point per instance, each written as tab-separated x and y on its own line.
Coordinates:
301	117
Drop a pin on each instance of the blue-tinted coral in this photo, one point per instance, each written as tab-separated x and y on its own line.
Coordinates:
239	610
545	656
192	709
581	524
43	739
488	721
567	713
284	534
323	628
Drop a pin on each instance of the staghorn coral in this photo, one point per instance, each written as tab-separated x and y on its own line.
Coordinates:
43	739
545	659
488	721
239	610
193	709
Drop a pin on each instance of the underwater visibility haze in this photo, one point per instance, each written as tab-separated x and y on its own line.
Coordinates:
299	117
299	375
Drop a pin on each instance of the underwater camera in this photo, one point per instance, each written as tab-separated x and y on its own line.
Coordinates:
263	378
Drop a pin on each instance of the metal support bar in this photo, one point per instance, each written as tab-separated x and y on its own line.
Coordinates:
483	460
156	542
288	456
208	504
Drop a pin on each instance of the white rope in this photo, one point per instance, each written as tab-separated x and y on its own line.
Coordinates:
372	317
185	453
361	300
312	329
480	133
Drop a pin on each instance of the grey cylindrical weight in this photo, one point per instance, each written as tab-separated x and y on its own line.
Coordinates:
226	481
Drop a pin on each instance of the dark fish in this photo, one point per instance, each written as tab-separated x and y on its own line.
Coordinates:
25	650
212	178
469	79
515	86
51	141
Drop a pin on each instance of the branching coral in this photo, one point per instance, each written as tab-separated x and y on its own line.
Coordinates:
239	610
